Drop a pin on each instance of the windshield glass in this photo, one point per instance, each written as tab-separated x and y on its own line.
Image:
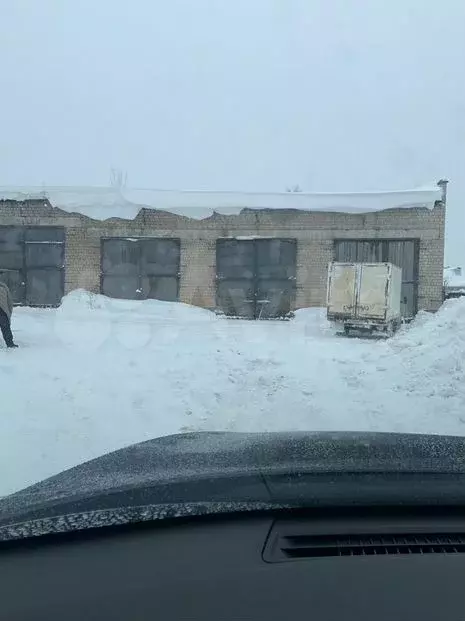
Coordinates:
227	216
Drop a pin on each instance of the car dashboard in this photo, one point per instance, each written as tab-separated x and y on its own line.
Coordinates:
380	564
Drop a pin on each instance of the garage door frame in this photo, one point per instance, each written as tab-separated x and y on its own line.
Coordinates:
255	279
384	255
140	275
30	236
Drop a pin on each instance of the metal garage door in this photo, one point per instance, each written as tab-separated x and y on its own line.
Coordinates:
140	269
256	278
404	253
32	264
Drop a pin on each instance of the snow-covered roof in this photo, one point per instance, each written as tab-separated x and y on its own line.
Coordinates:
101	203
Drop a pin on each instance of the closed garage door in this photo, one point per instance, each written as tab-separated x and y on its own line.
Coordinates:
403	253
32	264
256	278
140	269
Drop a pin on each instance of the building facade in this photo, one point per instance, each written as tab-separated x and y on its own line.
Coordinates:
256	264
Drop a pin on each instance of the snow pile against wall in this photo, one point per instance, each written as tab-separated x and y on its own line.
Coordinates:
436	348
99	374
79	302
103	203
134	323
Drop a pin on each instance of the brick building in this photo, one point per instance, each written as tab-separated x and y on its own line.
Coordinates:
255	256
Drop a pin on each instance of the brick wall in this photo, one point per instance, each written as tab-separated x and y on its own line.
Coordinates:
314	232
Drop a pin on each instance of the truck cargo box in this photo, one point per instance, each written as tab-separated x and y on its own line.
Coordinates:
364	294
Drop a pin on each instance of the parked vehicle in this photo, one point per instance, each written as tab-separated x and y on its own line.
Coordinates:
454	283
365	297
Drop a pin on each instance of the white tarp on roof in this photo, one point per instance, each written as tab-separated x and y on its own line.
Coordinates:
101	203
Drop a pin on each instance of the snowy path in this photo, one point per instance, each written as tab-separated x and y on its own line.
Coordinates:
98	374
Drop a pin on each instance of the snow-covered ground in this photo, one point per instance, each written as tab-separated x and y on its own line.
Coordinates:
98	374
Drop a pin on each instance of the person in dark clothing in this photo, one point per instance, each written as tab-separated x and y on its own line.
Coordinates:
6	308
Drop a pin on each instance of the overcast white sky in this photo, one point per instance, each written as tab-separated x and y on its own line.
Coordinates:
334	95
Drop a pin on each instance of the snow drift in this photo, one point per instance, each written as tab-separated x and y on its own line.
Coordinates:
99	374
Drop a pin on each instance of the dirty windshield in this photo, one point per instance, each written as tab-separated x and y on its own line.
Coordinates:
227	216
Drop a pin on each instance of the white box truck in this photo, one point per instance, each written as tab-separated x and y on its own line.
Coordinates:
365	297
